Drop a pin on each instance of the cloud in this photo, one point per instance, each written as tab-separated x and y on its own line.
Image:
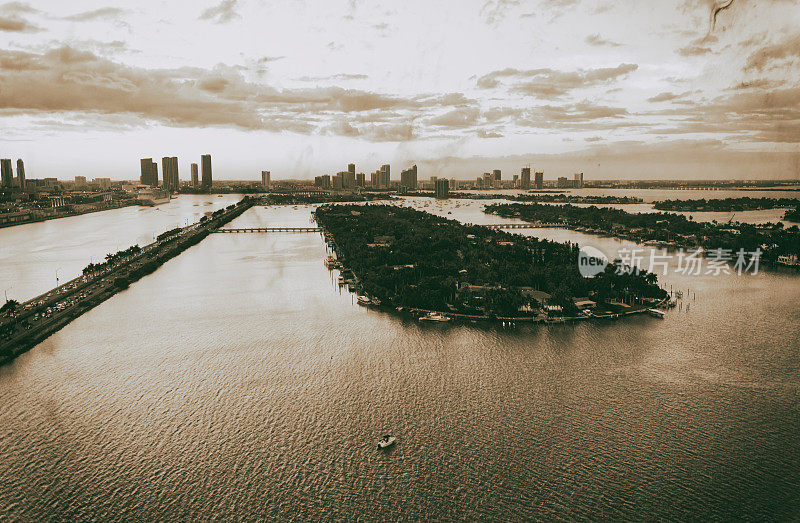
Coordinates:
694	50
483	133
597	41
12	19
103	12
71	81
339	76
222	13
460	117
550	83
760	59
665	97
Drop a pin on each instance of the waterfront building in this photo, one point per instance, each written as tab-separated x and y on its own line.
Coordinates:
408	178
496	178
169	170
6	173
539	177
193	170
20	173
205	167
563	182
515	181
80	181
265	180
442	188
526	178
149	171
578	183
487	180
385	177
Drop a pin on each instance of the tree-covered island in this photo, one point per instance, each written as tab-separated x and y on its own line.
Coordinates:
412	259
726	204
662	228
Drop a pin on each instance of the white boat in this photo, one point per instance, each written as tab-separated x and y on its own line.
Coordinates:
655	313
434	316
363	300
386	441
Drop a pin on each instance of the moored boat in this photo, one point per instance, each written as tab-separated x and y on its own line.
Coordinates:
434	316
363	300
655	313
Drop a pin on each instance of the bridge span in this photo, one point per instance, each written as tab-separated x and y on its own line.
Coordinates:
536	225
268	229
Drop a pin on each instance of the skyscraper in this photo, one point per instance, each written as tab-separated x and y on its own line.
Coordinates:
408	178
193	169
6	173
526	177
21	173
149	174
539	175
360	180
169	168
496	182
205	164
265	180
442	187
351	168
487	180
578	183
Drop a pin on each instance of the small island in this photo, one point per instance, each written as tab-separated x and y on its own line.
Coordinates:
726	204
792	215
413	260
661	228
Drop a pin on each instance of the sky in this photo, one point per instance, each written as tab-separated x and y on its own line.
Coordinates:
617	89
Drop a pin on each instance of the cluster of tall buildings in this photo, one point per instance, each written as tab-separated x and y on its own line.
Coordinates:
575	183
7	174
169	168
380	178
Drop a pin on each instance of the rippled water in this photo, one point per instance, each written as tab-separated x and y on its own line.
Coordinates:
239	381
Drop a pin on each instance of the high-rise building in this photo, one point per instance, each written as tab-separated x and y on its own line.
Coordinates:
265	180
205	167
103	183
496	182
20	173
6	173
408	178
539	176
442	188
193	169
578	183
385	176
360	180
80	181
338	181
149	172
169	170
563	182
487	180
526	177
348	179
351	168
515	180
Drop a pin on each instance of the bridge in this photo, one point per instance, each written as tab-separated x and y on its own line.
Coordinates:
269	229
523	225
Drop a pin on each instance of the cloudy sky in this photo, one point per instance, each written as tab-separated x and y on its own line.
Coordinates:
613	88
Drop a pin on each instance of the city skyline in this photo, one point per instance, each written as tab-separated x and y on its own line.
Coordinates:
565	86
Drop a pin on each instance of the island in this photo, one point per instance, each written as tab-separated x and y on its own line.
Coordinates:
412	260
726	204
792	215
664	229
